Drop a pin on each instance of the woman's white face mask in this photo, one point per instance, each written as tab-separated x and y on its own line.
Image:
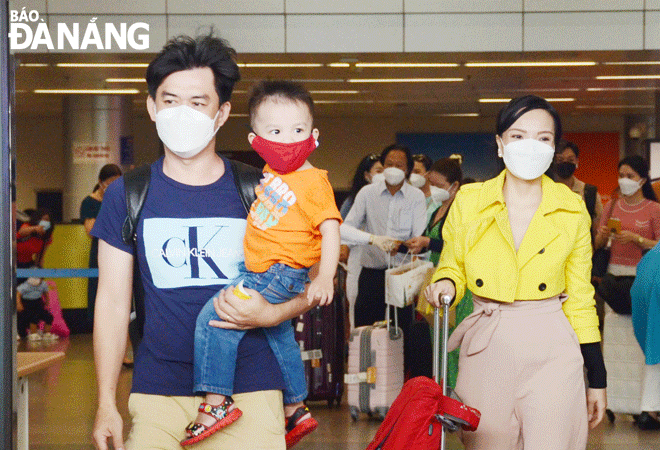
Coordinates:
527	159
417	180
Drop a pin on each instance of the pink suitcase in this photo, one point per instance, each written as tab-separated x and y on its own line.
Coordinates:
375	369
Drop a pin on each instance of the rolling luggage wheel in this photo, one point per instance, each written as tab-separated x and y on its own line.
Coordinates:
610	415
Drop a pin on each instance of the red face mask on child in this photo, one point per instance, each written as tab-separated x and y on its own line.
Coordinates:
284	158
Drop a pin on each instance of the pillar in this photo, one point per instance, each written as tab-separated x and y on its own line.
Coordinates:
94	126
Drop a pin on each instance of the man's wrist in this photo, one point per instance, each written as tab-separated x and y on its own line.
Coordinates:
371	239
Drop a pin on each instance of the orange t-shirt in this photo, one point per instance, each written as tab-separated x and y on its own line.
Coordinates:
283	224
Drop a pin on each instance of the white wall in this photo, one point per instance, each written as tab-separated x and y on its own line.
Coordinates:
307	26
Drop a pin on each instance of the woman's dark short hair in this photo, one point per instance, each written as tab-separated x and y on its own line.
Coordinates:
425	160
184	53
288	90
519	106
401	148
450	168
109	171
641	168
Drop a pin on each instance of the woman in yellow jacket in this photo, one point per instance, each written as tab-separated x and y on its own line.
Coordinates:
521	244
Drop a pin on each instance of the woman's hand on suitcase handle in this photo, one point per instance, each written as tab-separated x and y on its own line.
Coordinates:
596	405
437	289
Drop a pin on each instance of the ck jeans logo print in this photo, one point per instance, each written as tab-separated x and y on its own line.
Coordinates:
193	252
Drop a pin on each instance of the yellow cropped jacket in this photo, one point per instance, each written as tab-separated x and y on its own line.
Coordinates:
554	255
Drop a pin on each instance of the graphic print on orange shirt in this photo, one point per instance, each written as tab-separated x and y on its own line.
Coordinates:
274	198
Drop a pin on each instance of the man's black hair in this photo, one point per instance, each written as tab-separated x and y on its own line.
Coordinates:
184	53
401	148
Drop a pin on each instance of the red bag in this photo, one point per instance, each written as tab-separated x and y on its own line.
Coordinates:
411	421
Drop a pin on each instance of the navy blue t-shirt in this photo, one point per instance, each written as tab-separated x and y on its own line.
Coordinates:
190	241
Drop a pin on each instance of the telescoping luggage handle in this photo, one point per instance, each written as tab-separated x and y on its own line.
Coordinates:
445	300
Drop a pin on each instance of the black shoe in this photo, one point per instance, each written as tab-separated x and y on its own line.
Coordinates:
646	422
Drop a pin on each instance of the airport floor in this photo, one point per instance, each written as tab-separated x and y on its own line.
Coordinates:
63	404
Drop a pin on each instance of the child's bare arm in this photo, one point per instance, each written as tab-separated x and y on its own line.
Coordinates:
322	287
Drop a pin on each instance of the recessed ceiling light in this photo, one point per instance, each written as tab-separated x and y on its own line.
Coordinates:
628	77
284	65
645	88
506	100
34	65
458	115
97	65
340	64
125	80
341	101
395	65
632	63
613	106
403	80
531	64
87	91
334	92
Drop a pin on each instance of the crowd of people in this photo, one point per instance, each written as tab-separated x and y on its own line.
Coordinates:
513	252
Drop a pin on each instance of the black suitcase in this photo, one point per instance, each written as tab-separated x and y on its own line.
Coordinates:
320	334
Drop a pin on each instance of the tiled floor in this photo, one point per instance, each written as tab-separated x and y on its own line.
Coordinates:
63	404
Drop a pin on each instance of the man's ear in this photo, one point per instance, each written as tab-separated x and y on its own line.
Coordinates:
151	108
223	114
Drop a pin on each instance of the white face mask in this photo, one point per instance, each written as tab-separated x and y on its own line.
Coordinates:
628	186
45	224
439	195
34	281
417	180
377	178
527	159
394	176
184	130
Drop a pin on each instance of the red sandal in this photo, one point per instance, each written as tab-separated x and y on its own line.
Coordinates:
295	430
196	432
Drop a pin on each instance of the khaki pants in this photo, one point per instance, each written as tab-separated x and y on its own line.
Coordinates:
521	366
159	423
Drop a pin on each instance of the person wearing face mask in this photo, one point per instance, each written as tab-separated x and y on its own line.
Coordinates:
521	244
188	244
630	226
385	214
566	161
446	176
293	225
370	170
89	209
32	239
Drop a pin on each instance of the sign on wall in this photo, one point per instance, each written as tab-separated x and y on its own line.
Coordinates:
90	152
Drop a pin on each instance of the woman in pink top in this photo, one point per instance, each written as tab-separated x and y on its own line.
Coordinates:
630	224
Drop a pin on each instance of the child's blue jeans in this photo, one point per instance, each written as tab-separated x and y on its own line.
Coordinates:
215	348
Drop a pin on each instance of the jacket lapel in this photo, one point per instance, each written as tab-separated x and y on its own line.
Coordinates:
540	233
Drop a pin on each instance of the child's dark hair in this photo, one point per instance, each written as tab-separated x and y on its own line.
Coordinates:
286	90
184	53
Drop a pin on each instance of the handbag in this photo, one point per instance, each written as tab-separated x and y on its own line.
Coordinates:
404	283
601	257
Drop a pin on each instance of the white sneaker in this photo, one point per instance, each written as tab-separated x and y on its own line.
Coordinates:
34	337
50	336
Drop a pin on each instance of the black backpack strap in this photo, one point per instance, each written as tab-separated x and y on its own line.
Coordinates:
136	185
246	178
590	199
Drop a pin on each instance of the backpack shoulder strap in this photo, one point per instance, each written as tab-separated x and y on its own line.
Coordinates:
246	178
590	199
136	185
